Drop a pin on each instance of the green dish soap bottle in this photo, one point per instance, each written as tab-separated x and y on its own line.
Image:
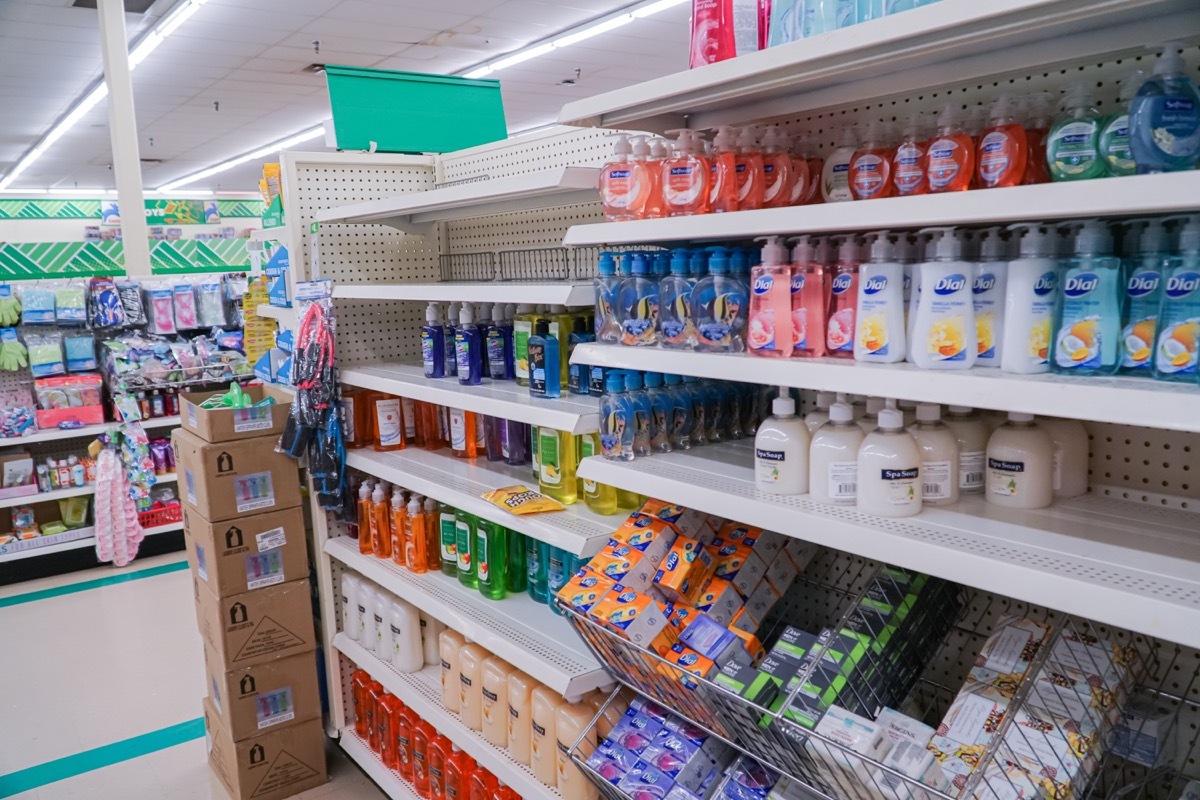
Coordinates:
491	554
556	465
448	537
466	526
1073	146
516	562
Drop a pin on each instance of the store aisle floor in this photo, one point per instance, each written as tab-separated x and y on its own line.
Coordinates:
102	697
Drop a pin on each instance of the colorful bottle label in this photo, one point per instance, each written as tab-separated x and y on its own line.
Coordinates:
945	163
997	150
587	449
799	312
868	176
618	186
641	316
684	187
989	314
676	313
1114	145
536	351
388	422
1177	343
463	350
900	485
481	554
761	331
840	333
719	320
1174	123
947	337
1138	337
549	458
1072	147
909	168
1079	339
495	353
463	545
427	349
872	322
522	330
448	533
1037	345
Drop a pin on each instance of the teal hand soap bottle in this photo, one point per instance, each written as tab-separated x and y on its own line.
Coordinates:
637	305
1147	260
1179	321
616	419
1087	327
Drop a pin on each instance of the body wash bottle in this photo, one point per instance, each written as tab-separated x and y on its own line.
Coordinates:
944	335
833	457
1148	263
770	331
879	318
1176	354
781	449
1088	318
1029	299
1164	117
989	287
889	469
1020	464
940	468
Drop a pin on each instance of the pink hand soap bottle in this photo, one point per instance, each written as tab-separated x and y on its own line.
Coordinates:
770	332
843	299
809	300
624	184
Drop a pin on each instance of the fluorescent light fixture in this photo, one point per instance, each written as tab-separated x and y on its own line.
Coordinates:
292	141
573	36
147	45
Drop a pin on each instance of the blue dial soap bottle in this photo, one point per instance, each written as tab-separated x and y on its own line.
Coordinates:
1179	321
1147	261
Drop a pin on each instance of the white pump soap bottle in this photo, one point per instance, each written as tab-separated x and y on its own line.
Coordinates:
781	449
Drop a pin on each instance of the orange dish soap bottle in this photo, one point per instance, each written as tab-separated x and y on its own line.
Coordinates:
396	524
1003	149
623	184
951	157
723	188
686	176
381	529
871	165
779	171
750	175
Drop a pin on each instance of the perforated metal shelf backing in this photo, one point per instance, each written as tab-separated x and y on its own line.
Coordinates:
1145	465
560	146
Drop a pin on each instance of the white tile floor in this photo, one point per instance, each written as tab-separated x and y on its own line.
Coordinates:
105	664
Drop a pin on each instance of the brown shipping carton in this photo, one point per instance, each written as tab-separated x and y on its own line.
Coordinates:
253	700
272	766
249	553
228	480
231	424
259	626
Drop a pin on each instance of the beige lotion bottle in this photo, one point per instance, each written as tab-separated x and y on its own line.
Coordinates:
1020	464
972	434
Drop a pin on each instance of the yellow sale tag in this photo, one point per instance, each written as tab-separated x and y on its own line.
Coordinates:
522	500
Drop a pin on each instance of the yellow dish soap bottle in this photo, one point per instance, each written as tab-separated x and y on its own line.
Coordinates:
556	465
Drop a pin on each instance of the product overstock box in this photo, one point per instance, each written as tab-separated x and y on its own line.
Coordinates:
248	553
253	700
259	626
227	480
231	424
273	766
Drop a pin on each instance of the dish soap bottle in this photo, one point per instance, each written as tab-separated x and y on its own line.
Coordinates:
1114	136
1029	300
433	340
889	468
1148	262
1088	317
835	174
718	306
770	331
950	160
616	419
637	305
781	449
944	332
1020	464
686	175
557	461
1175	356
843	299
1164	117
809	300
1073	145
599	497
988	287
879	319
522	329
676	329
545	379
624	184
469	348
833	457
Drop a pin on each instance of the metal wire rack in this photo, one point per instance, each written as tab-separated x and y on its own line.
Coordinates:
479	266
535	264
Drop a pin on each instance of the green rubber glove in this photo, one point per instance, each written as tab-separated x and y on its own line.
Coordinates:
13	356
10	311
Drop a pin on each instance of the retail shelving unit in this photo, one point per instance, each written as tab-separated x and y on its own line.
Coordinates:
362	754
566	294
17	551
54	434
60	494
286	317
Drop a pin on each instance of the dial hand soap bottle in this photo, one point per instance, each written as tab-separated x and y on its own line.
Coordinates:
1164	118
1029	300
843	299
944	331
1143	294
989	285
809	291
879	320
770	332
1175	356
1088	317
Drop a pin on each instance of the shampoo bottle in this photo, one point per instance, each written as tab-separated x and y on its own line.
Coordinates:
1020	464
781	449
1148	263
871	165
433	342
971	433
809	300
1088	316
676	328
833	457
889	469
835	174
940	466
843	299
1175	356
1115	148
944	335
1073	144
951	156
685	177
718	305
989	290
779	170
1029	299
879	318
1164	117
1003	149
624	184
770	332
748	165
723	184
637	305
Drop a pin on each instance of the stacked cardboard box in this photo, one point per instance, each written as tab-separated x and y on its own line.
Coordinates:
246	546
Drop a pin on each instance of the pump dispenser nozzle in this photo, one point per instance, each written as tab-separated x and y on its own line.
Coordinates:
944	244
784	405
1035	241
1189	232
774	252
882	250
1093	238
1170	62
991	246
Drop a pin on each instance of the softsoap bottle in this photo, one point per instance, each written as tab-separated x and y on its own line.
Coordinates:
833	457
686	176
749	169
889	468
543	740
1020	464
781	449
939	456
624	184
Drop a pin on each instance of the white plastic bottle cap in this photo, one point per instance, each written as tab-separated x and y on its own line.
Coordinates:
882	250
466	316
783	406
841	412
1019	416
891	419
960	409
928	412
432	313
1170	62
826	400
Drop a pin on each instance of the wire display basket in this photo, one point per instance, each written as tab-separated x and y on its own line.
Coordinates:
536	264
1042	707
477	267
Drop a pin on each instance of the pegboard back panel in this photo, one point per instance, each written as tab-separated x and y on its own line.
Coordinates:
521	230
560	146
1147	465
373	332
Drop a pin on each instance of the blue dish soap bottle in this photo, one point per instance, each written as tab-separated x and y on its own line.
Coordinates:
450	339
608	284
545	376
719	307
433	343
676	330
1087	326
577	377
637	305
679	431
662	408
699	401
468	348
1147	260
1179	321
497	353
1164	117
643	414
616	419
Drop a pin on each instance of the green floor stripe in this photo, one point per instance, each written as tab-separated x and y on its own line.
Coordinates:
60	769
83	586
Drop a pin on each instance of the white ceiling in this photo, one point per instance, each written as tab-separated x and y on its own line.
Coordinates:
249	55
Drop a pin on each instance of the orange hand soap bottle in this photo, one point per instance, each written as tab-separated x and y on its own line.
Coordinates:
375	694
779	172
365	546
751	180
623	184
723	188
381	528
359	684
951	157
1003	148
423	735
402	725
803	182
871	165
686	176
909	161
386	718
396	524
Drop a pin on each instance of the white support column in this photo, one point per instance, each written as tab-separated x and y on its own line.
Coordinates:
122	128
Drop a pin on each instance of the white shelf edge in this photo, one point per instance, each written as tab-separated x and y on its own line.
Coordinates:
386	779
549	292
1131	196
277	234
77	544
517	629
504	399
286	317
434	475
1080	556
409	689
73	491
416	210
55	434
1170	406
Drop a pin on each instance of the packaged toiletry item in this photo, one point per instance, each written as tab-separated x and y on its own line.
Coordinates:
1003	149
723	29
685	570
624	183
770	330
637	305
1175	356
1148	263
835	174
889	469
950	159
651	536
879	318
909	168
989	289
871	165
1029	301
685	176
833	457
1089	312
1115	148
722	186
1020	464
719	307
781	450
433	357
843	299
1146	734
676	327
622	564
1071	455
940	470
160	309
1073	144
608	327
1164	117
810	292
944	332
779	170
748	167
184	299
